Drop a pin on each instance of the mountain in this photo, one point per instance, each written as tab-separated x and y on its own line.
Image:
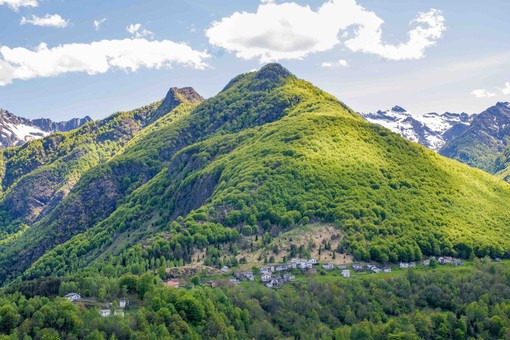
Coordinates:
15	131
485	140
432	130
187	181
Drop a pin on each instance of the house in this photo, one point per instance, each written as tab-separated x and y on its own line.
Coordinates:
234	281
288	278
404	265
265	278
105	313
266	269
281	267
73	297
376	270
293	265
123	303
387	270
445	260
225	269
305	265
312	261
412	264
458	262
328	266
357	267
346	273
342	266
497	259
426	263
118	312
275	282
244	276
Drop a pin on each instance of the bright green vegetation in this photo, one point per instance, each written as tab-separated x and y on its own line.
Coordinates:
414	304
106	209
269	153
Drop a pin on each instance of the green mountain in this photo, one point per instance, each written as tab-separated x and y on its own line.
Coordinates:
181	181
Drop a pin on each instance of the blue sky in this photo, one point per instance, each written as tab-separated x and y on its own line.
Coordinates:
425	55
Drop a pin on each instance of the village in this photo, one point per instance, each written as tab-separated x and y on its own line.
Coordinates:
277	275
273	276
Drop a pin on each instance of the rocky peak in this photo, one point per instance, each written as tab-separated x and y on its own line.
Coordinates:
397	108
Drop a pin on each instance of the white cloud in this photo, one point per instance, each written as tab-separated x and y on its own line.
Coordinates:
481	93
292	31
48	20
15	4
506	89
96	57
138	32
335	64
98	23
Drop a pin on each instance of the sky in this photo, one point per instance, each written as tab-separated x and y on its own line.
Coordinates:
67	58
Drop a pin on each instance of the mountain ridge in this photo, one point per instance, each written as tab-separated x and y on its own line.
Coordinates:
432	130
267	154
16	131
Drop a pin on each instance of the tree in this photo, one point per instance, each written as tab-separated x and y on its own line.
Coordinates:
9	318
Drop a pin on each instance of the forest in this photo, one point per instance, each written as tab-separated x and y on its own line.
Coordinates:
471	302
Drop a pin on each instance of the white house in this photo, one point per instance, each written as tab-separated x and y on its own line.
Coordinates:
328	266
123	303
346	273
105	313
404	265
225	269
312	261
265	278
387	270
118	312
73	297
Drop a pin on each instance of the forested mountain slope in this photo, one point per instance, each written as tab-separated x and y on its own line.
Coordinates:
266	154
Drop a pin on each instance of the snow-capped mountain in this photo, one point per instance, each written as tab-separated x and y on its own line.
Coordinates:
15	131
432	130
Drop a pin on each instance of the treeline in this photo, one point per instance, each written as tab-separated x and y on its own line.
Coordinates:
436	304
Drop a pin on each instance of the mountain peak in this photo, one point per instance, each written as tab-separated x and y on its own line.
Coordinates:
175	97
503	105
274	72
183	95
397	108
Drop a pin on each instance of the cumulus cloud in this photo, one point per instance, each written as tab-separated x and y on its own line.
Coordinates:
506	89
98	23
291	31
48	20
15	4
335	64
482	93
138	31
95	58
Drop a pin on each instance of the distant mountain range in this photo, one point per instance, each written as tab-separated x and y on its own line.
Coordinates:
479	140
16	131
432	130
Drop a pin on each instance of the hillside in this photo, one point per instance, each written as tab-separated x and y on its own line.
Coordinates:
266	154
